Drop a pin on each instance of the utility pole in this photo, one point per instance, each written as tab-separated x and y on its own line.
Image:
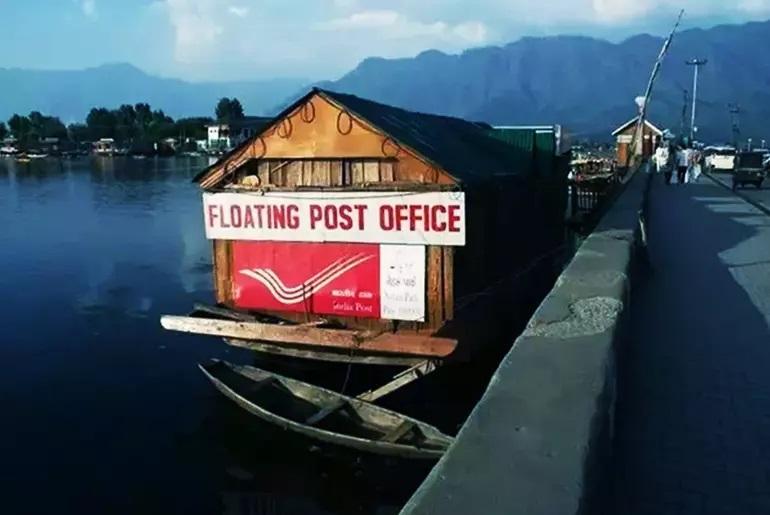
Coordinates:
697	63
638	138
735	112
683	123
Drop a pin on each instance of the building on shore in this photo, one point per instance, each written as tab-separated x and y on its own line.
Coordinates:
624	135
223	136
105	147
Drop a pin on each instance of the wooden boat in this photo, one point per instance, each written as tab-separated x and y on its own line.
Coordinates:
326	415
37	155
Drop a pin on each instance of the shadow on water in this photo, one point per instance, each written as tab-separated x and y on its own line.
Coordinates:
104	412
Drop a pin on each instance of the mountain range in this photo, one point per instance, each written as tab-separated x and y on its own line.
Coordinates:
71	94
587	85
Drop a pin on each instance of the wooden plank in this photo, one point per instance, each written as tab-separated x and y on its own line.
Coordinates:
398	432
307	173
264	173
223	312
388	343
325	412
347	176
328	355
435	297
404	378
357	172
222	268
386	172
371	171
448	282
293	174
321	173
336	174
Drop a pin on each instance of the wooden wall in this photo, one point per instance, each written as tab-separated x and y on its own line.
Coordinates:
320	130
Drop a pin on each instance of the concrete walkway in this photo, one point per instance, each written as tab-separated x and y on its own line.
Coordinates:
693	412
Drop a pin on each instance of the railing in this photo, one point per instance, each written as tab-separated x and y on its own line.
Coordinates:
589	196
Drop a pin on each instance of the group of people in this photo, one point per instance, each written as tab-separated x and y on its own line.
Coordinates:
685	160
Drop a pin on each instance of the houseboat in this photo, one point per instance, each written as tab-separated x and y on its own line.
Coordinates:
351	231
105	147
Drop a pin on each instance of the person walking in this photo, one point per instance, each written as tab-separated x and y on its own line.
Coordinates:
681	164
696	159
661	158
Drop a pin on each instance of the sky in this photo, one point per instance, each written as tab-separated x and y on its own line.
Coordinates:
215	40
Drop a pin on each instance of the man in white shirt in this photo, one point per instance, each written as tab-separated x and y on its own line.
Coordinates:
682	162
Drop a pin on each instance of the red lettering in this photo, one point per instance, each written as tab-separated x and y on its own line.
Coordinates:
426	218
361	208
454	218
279	217
414	215
401	215
438	227
259	208
386	218
346	221
224	224
292	216
330	216
248	218
236	218
212	214
316	215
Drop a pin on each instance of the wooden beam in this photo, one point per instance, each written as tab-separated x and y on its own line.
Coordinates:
331	355
404	378
325	412
388	343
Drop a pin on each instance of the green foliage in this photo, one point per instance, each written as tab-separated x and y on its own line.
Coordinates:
3	131
229	110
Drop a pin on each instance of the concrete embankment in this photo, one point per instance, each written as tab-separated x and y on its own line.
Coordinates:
539	440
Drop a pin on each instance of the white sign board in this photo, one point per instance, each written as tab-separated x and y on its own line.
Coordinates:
402	282
407	218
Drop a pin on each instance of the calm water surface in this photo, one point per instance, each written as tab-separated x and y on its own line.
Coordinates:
102	410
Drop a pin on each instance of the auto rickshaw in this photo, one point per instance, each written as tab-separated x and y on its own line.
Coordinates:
749	169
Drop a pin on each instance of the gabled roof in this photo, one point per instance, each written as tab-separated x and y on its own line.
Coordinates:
633	121
460	147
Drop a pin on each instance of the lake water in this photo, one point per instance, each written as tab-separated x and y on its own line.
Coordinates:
105	412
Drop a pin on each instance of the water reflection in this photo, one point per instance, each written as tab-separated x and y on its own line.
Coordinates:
103	410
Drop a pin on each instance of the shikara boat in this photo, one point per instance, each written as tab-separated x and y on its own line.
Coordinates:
325	415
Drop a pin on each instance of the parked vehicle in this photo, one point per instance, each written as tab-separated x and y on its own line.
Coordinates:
749	169
720	159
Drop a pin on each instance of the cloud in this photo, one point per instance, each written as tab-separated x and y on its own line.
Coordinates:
197	28
389	24
89	8
238	11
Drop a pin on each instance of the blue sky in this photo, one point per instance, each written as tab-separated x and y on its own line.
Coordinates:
258	39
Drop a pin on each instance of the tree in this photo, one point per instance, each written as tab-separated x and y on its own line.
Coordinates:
125	119
19	126
3	131
79	133
229	110
101	123
143	116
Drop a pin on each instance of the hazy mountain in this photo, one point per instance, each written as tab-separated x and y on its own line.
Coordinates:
71	94
587	85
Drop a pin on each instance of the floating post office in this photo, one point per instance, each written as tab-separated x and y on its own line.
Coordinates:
352	231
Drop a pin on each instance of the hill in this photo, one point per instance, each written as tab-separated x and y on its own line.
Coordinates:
71	94
588	85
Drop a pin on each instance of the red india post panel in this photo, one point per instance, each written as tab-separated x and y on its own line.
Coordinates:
340	279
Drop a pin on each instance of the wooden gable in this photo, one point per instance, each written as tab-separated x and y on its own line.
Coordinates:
317	132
